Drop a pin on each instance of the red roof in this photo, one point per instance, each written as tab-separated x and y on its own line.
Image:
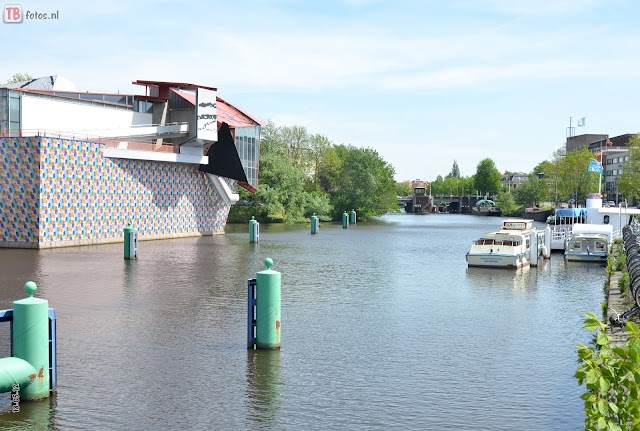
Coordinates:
227	113
181	85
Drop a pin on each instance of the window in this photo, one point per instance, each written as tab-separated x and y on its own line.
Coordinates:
14	112
248	146
606	219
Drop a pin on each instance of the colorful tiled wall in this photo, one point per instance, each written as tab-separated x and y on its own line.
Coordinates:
19	185
83	196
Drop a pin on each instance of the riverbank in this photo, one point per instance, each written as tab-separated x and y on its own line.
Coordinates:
617	300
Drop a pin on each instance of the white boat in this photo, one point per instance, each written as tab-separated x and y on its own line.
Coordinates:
589	242
510	247
562	223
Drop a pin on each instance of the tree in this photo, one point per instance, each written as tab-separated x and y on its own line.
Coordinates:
574	178
629	180
455	170
404	188
506	203
318	146
19	77
281	196
365	183
297	140
329	169
532	192
544	168
487	179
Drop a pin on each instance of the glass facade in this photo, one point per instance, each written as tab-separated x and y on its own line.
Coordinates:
9	112
248	146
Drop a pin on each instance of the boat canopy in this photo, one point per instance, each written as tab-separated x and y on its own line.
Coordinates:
571	212
485	202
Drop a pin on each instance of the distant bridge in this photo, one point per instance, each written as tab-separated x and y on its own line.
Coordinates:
439	203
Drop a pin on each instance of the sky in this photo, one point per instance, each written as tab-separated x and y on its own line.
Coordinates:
424	83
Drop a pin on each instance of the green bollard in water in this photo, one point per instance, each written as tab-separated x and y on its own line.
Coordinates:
345	220
352	217
31	340
268	308
127	241
254	230
315	224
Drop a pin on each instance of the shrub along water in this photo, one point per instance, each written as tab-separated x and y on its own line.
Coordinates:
612	378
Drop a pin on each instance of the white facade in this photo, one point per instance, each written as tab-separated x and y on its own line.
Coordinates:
57	115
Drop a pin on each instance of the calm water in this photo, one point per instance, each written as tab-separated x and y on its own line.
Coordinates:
383	327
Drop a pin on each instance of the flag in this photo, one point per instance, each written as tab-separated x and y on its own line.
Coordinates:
595	166
581	122
609	143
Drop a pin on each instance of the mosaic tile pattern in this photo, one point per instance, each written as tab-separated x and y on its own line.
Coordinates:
19	185
82	195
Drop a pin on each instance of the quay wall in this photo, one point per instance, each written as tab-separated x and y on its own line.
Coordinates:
63	192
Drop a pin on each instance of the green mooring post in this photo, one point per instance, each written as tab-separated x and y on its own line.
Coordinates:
315	224
254	230
31	340
130	242
352	217
268	307
345	220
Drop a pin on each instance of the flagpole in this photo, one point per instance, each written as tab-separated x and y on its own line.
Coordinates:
601	168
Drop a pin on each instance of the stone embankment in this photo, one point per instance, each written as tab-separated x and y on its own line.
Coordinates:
620	305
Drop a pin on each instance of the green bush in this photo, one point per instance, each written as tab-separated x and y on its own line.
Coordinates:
621	259
610	262
624	282
612	379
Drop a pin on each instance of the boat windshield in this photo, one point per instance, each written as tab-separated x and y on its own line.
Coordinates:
504	242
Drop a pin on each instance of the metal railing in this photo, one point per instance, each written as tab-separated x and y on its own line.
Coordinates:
107	142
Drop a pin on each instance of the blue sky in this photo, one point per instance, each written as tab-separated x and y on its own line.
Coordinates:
422	82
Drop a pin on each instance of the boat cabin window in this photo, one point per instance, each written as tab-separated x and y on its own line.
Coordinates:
576	245
606	219
599	246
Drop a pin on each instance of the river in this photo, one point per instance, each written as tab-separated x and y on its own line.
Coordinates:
383	327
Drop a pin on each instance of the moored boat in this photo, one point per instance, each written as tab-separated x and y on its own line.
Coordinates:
589	242
510	247
537	214
561	223
486	207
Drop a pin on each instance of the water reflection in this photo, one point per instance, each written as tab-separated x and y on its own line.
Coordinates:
518	279
263	386
33	415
